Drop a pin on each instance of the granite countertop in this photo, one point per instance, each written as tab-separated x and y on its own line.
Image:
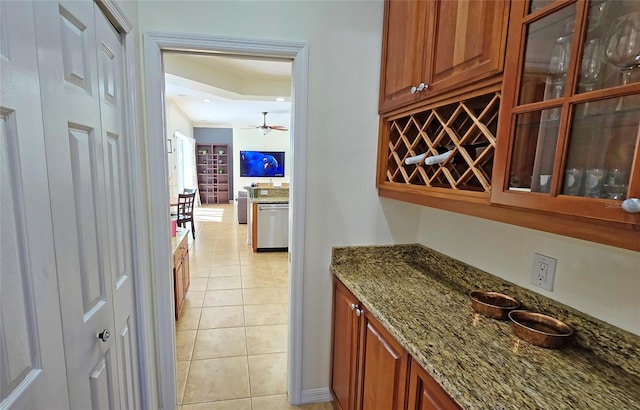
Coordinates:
175	240
421	297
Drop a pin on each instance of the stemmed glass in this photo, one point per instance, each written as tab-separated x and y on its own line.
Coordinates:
591	64
623	48
591	69
558	64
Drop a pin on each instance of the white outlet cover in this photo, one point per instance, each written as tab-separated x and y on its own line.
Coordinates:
551	271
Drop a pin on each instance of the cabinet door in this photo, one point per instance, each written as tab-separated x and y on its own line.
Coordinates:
344	347
469	44
383	368
178	287
425	393
571	111
185	270
404	47
180	275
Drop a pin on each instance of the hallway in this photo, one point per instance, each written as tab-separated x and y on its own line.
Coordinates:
231	338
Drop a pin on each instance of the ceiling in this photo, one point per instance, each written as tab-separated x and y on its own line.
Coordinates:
226	91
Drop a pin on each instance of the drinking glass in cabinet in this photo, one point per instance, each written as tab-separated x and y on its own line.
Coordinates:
602	143
623	47
534	150
546	58
592	67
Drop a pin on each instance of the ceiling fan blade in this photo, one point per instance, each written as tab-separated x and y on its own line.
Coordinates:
279	128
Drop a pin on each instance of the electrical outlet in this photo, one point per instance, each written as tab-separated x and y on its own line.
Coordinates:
543	271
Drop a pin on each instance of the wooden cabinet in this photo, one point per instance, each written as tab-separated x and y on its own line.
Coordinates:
369	368
433	47
213	165
562	156
344	347
425	393
181	276
382	367
569	123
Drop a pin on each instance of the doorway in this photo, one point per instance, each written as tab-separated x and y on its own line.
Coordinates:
154	45
234	317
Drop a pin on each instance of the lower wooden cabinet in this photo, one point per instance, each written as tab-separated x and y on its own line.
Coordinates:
425	393
344	347
181	276
382	367
369	369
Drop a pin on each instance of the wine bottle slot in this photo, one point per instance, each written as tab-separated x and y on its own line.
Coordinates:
445	152
414	160
437	159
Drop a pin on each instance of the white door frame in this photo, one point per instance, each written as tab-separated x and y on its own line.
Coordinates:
158	217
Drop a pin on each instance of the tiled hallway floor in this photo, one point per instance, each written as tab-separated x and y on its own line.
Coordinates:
231	338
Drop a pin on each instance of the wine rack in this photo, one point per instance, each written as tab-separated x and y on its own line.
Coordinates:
212	162
456	126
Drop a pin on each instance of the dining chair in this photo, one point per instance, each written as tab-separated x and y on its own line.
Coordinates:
185	211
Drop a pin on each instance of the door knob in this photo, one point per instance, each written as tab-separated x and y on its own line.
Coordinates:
104	335
631	205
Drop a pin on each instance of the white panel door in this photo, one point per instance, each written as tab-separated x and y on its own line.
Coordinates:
111	92
32	367
80	66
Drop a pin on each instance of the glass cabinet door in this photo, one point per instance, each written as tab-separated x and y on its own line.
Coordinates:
573	126
547	52
604	133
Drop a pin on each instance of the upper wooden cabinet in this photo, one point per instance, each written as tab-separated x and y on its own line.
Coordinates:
569	121
432	47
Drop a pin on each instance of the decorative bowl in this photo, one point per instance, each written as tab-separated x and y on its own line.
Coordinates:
493	304
540	330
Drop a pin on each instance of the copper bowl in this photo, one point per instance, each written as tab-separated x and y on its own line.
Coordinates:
493	304
538	329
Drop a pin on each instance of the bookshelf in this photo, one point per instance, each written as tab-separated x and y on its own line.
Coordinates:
212	162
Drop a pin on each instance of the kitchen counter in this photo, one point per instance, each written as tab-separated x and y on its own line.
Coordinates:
177	240
271	200
421	297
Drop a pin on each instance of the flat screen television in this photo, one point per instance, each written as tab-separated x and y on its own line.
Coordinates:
262	163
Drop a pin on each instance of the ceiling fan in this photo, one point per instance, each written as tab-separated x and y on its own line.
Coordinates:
267	128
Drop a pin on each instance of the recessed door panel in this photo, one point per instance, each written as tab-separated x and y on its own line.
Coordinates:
100	380
75	48
127	367
18	348
84	174
114	198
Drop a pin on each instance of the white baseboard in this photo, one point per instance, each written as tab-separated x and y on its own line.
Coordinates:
316	395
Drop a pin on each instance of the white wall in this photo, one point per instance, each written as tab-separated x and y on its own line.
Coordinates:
344	39
599	280
176	121
254	140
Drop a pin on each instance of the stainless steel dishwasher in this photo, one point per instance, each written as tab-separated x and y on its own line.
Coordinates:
273	227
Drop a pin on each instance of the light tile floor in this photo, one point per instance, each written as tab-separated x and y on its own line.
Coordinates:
231	338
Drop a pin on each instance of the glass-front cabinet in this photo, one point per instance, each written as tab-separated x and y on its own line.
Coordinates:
571	110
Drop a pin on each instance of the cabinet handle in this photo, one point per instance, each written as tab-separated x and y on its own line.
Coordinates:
631	205
353	306
419	87
358	312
